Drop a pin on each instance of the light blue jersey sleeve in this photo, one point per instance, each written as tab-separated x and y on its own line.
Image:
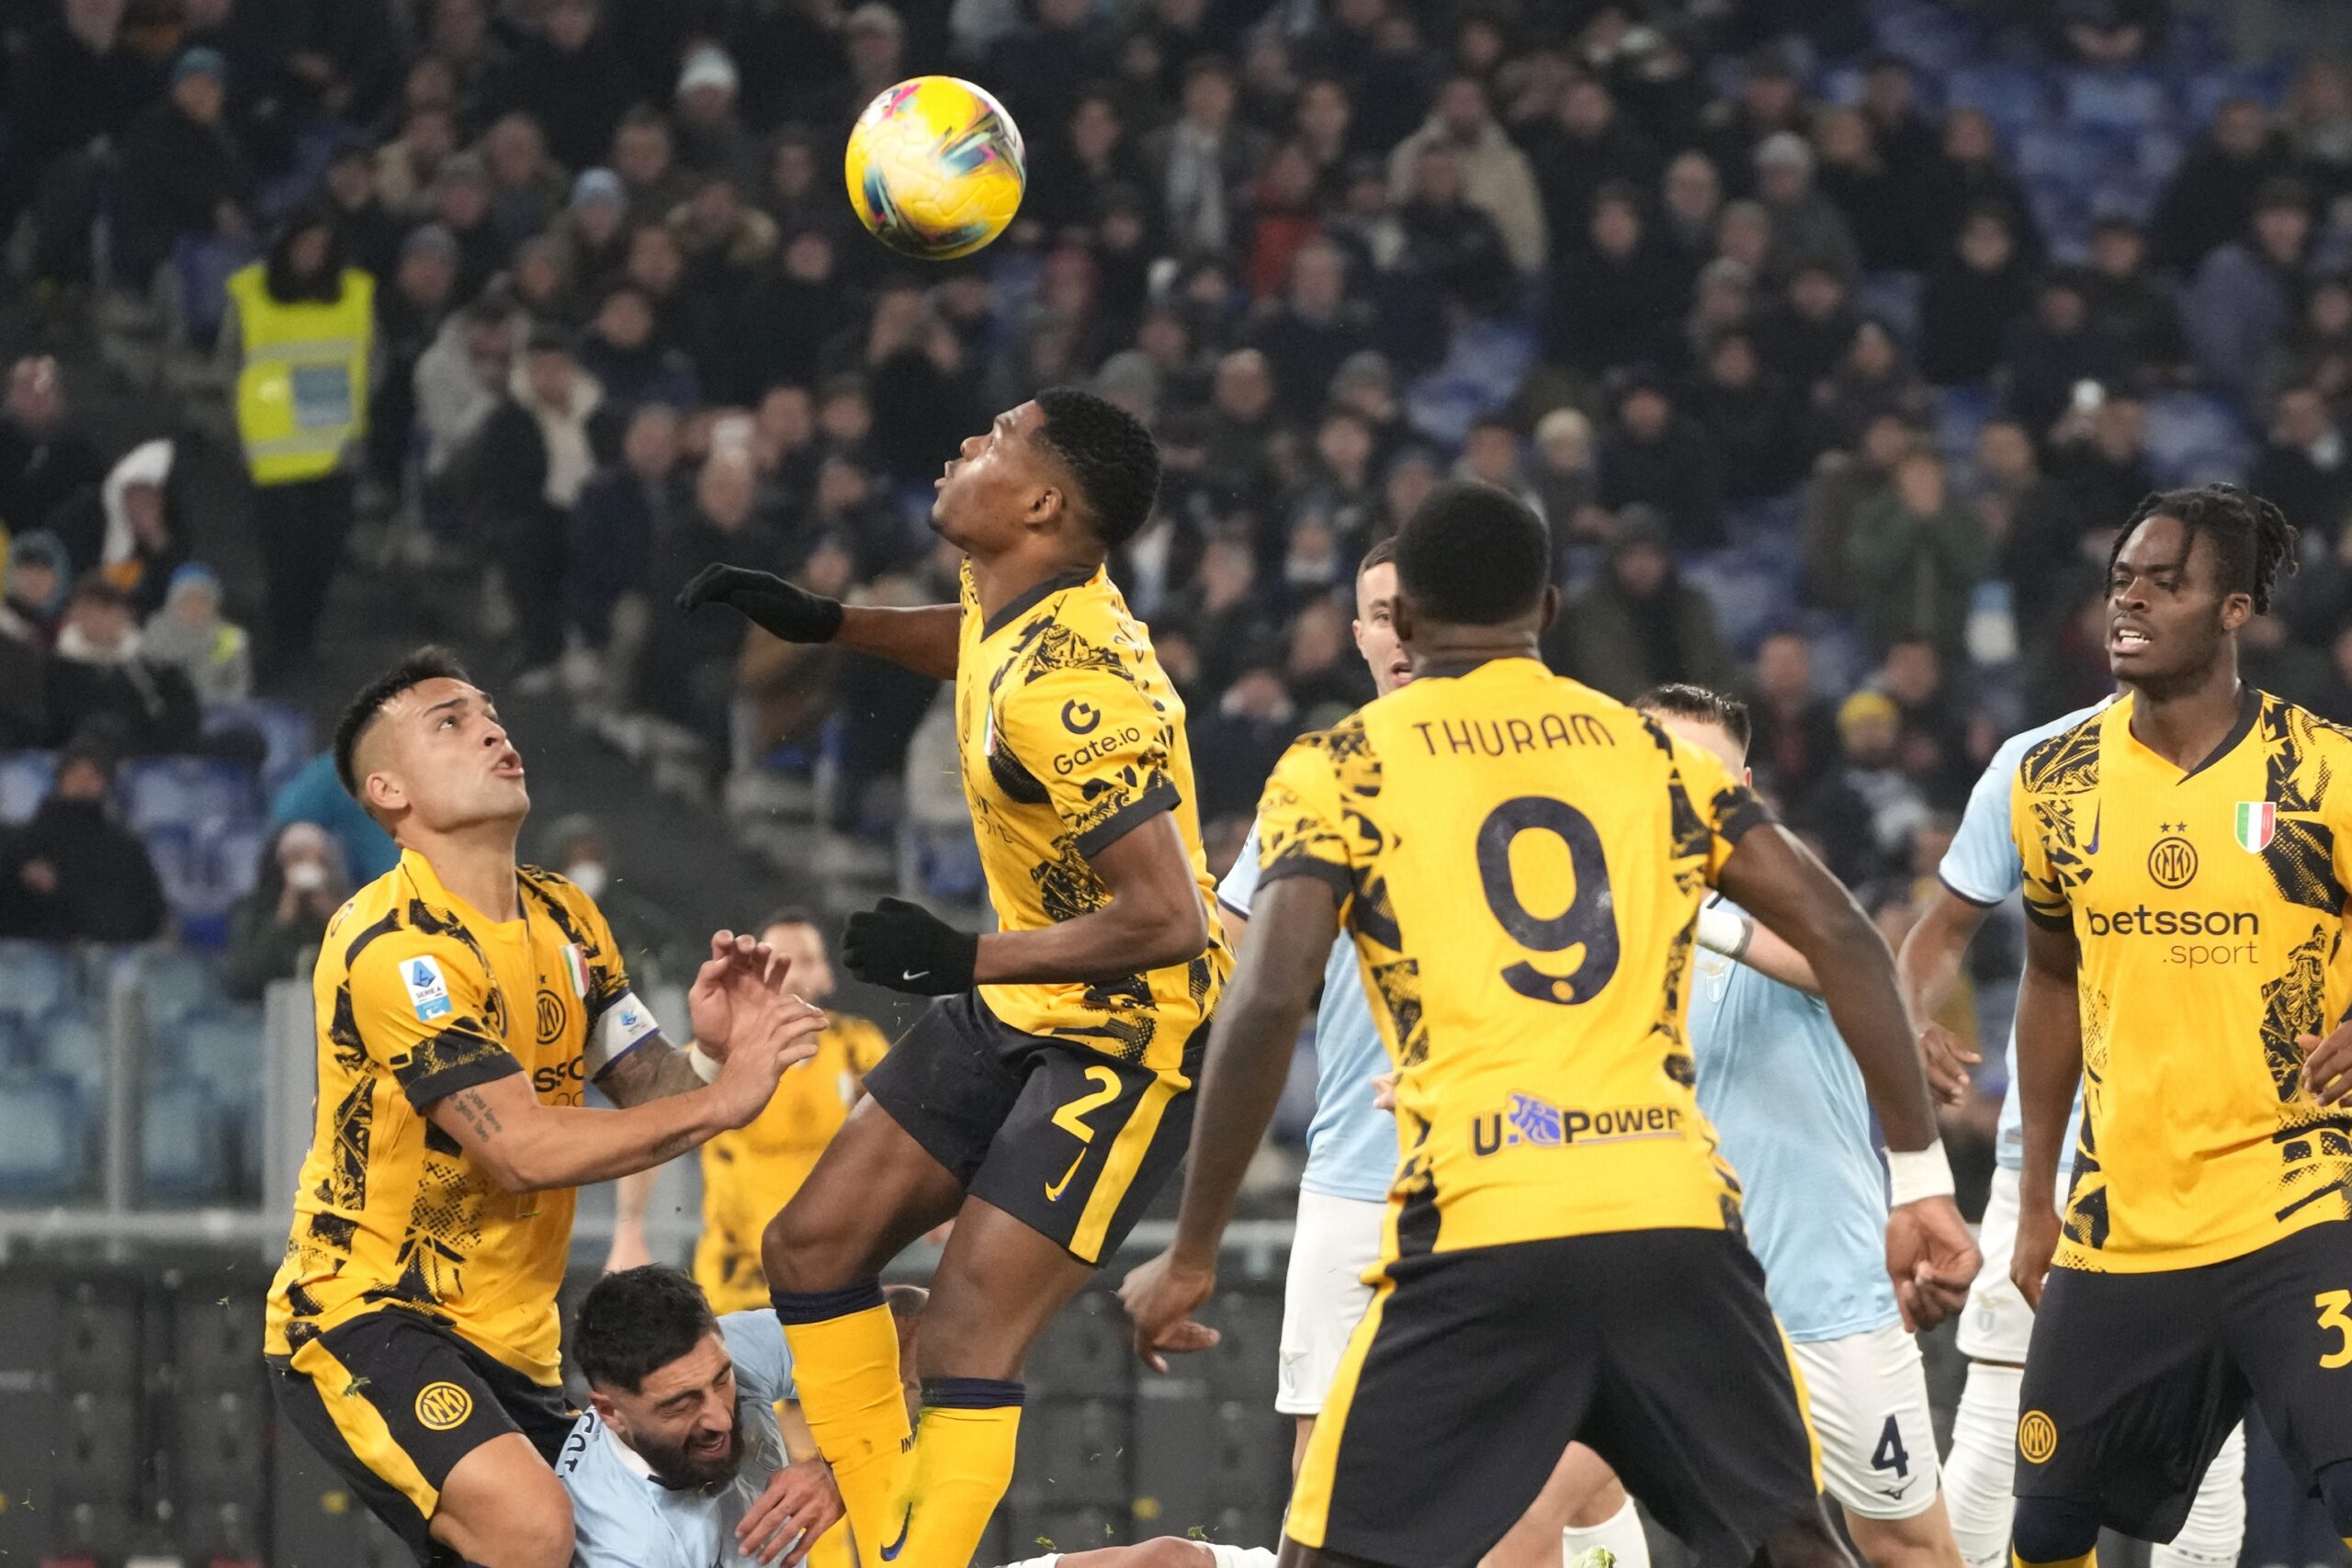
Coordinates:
616	1520
1240	883
762	1364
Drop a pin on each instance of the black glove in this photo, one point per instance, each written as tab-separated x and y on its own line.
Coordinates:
775	606
908	948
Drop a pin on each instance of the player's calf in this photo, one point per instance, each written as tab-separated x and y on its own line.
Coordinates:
1923	1540
1805	1541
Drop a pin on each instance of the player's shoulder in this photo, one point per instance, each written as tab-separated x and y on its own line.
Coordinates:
1344	750
2063	757
2294	736
390	928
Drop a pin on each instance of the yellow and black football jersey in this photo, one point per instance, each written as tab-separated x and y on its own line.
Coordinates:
751	1172
2210	908
1520	861
419	996
1069	734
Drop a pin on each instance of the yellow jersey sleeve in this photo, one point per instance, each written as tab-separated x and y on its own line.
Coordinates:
2047	896
1302	828
420	1007
1713	810
1095	743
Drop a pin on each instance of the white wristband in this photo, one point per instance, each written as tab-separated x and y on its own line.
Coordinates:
705	1064
1724	931
1922	1173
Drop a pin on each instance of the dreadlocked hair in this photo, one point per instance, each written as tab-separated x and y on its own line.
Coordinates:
2252	538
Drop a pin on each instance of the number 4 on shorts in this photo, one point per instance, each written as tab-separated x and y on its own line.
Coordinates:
1890	1454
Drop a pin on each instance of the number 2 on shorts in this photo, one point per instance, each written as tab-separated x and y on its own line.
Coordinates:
2332	1307
1071	1118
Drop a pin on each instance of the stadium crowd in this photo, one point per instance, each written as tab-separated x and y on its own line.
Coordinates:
1834	340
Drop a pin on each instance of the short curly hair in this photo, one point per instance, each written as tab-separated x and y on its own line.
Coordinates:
632	1324
2252	538
1109	453
1473	555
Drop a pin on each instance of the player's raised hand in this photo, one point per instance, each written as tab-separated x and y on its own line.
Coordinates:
732	989
1932	1259
784	1032
908	948
2037	1243
2327	1063
1161	1298
780	608
800	1504
1948	1060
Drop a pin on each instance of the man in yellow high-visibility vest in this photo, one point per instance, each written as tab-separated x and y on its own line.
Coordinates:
298	332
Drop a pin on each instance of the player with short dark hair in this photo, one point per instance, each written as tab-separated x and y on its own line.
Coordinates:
1563	1257
2185	854
463	1004
1047	1096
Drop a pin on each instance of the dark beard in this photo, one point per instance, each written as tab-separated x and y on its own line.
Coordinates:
679	1472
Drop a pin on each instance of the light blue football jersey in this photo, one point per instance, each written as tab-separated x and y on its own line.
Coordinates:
1788	1100
1983	867
622	1518
1351	1143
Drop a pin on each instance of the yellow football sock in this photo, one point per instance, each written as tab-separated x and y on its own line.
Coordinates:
845	1372
2087	1559
963	1463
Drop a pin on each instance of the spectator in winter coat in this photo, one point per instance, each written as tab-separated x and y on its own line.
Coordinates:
45	458
190	634
1657	457
301	884
74	873
2247	292
181	171
1497	178
2211	198
610	533
1970	300
527	465
1638	625
573	80
1916	555
101	671
1806	225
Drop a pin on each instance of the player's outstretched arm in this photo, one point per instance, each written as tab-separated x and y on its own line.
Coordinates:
1242	1080
2049	1067
1930	1256
1927	966
923	638
528	1146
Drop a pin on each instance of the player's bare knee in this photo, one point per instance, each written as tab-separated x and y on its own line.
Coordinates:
804	1249
507	1517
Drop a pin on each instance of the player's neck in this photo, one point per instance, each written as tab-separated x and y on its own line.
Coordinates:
1000	580
2186	720
1457	650
475	864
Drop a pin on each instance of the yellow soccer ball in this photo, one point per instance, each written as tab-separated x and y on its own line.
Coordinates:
935	168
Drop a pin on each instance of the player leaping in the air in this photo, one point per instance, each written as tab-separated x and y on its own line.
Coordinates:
1520	862
2185	855
1047	1097
462	1003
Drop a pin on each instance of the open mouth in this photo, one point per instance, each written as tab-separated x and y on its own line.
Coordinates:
2126	638
509	764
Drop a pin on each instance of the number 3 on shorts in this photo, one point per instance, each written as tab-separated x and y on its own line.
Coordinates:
2332	1307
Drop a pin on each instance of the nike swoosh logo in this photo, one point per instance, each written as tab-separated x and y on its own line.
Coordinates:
2097	817
890	1553
1054	1193
913	975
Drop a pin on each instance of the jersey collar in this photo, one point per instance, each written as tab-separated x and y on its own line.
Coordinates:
1029	599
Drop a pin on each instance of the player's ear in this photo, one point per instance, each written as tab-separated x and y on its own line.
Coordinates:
382	792
1046	506
2237	609
1551	610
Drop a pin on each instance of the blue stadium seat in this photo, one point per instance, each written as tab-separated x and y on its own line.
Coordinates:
173	987
44	1137
204	869
223	1048
161	791
2192	438
72	1046
180	1150
25	778
2116	100
1933	38
2012	97
284	729
35	978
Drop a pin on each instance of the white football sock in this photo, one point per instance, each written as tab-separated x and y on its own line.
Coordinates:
1981	1470
2216	1528
1621	1533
